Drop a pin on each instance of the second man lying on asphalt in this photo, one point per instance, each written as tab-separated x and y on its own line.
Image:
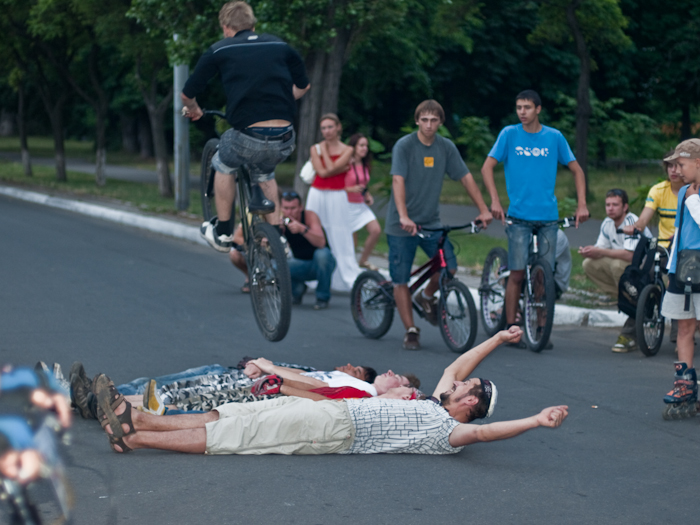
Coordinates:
356	426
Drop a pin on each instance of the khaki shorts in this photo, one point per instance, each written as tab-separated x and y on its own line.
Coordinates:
286	425
674	304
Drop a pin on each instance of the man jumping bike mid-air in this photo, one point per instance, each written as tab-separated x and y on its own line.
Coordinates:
262	77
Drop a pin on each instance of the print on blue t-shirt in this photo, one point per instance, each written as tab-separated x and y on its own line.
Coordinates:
530	161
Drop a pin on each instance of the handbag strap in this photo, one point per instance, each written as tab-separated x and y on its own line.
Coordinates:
680	224
357	178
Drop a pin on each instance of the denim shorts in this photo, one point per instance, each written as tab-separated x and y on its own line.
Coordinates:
519	237
261	156
402	251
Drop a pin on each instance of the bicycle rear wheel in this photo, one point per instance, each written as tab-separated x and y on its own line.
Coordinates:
649	323
206	180
457	316
372	304
492	291
539	298
270	283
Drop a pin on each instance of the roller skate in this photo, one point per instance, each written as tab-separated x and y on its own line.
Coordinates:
681	402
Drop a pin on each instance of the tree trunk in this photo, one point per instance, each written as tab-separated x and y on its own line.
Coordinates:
309	113
145	137
56	117
583	103
325	70
129	135
686	125
22	128
157	118
100	145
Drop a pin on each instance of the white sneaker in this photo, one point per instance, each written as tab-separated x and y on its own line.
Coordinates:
221	243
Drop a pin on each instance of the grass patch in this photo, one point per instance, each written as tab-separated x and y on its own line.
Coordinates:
142	196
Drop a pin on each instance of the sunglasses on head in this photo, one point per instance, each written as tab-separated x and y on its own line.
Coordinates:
289	195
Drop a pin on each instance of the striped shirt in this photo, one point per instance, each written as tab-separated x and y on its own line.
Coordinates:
611	240
394	426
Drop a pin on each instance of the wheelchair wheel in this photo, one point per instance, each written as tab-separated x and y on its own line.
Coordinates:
649	323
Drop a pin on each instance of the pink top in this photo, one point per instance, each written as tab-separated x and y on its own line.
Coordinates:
356	174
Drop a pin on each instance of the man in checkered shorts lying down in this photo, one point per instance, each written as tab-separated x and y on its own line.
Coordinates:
358	426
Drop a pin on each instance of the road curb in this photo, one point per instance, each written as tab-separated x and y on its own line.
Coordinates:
563	314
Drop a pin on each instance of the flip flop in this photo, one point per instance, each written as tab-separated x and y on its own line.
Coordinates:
108	399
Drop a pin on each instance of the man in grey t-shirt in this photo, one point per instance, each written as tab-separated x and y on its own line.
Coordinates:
419	162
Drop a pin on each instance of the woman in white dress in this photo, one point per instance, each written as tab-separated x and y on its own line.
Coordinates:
328	199
356	186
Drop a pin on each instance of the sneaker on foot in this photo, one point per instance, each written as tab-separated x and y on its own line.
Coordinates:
221	243
429	307
624	344
321	305
151	400
411	341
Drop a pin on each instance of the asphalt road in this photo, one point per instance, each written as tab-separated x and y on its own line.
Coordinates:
132	304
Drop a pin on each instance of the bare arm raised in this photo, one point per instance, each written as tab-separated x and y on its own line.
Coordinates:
467	362
467	434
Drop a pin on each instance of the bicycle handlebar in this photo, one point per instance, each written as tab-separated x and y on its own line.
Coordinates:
214	112
566	222
475	227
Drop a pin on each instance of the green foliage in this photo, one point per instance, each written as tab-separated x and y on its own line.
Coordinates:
475	136
601	21
614	133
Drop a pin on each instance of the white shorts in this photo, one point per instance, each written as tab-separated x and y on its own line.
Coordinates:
674	304
284	425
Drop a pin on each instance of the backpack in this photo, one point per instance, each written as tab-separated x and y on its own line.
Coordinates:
636	276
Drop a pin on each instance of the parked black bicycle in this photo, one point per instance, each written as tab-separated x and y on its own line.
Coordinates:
372	299
268	271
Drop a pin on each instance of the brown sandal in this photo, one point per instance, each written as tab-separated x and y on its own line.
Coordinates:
108	399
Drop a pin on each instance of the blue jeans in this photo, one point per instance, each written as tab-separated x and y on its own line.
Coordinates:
138	386
402	251
261	156
519	236
320	269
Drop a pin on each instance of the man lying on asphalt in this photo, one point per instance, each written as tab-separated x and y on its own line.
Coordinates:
356	426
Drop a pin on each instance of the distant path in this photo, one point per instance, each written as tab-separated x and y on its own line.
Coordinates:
449	213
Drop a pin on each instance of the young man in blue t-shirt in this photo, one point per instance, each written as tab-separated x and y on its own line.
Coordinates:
530	153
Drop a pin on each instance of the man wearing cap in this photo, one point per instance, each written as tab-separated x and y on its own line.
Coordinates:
605	262
355	426
687	237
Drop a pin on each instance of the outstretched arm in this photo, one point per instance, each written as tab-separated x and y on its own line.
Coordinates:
286	373
487	173
467	434
582	214
467	362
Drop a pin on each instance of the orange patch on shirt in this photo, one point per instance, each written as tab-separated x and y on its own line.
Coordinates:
428	162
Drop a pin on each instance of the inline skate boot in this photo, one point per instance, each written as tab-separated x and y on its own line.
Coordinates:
682	401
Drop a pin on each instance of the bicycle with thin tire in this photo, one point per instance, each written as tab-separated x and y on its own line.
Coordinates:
538	294
372	299
268	271
649	324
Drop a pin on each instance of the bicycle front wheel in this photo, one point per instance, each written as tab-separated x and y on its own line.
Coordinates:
457	316
372	304
270	283
649	323
492	291
539	297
